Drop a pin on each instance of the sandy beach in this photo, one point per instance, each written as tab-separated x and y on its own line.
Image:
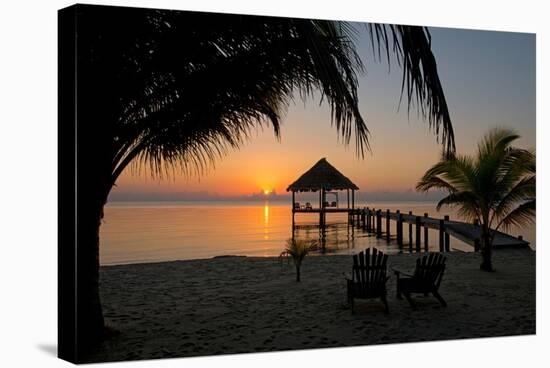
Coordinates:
242	304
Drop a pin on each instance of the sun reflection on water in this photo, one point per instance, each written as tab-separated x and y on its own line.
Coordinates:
266	221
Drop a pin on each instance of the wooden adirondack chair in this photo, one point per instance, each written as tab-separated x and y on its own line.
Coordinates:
368	277
426	278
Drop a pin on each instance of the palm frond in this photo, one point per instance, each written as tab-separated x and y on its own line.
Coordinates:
497	185
257	67
455	174
298	249
179	90
431	180
467	202
420	80
515	164
457	198
523	215
495	142
523	190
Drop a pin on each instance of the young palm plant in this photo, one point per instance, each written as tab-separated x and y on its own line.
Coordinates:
298	249
496	187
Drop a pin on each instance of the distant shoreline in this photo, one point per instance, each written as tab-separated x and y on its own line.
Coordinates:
256	201
382	197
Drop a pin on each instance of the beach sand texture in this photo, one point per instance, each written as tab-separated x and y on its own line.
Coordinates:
242	304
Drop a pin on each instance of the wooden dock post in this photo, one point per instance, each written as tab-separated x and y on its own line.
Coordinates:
293	215
367	219
425	233
372	220
388	225
353	201
378	223
375	221
447	237
441	235
322	208
399	228
410	233
363	218
418	222
293	212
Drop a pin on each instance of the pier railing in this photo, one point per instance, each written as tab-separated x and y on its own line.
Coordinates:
371	220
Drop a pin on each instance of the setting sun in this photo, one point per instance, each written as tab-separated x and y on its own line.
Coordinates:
266	191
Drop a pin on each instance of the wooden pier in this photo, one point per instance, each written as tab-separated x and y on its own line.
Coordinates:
326	179
371	220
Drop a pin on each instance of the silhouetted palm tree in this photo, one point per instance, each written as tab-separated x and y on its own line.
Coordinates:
176	90
496	187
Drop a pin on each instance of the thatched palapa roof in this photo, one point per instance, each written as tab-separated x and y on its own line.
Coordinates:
321	176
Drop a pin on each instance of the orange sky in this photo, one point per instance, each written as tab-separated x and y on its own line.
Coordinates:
489	80
265	163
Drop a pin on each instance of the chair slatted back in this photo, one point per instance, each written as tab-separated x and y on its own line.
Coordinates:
369	270
429	270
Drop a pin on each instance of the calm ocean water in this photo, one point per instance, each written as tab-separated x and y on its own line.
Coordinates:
135	232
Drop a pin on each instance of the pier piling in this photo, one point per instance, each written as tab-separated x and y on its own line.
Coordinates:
388	236
410	234
378	223
426	232
447	237
399	229
441	235
418	223
370	220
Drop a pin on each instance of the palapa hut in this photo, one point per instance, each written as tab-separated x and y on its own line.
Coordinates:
326	179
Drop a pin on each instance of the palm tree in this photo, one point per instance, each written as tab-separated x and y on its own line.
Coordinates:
495	188
298	249
177	90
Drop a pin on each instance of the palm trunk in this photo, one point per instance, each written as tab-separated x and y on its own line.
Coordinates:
486	249
90	322
95	153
